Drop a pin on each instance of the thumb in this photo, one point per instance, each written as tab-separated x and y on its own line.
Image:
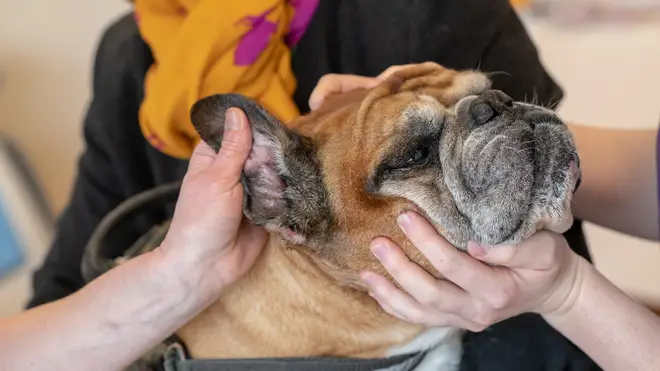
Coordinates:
537	252
235	148
503	255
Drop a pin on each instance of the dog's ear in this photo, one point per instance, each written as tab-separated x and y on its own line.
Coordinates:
282	180
446	85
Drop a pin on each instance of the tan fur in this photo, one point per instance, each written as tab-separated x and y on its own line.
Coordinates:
293	303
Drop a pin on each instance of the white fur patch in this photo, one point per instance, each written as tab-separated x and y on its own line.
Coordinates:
444	346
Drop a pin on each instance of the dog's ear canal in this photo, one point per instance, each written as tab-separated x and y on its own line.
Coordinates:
284	191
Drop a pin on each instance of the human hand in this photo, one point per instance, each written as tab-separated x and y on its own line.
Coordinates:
210	241
482	287
342	83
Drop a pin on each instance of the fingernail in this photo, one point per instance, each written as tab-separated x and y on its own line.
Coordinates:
379	251
232	120
475	249
404	221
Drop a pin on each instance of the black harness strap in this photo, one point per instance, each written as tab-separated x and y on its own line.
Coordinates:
95	261
175	360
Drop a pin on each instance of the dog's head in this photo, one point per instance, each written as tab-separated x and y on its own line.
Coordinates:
478	165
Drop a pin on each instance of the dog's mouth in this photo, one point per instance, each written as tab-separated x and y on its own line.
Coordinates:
518	168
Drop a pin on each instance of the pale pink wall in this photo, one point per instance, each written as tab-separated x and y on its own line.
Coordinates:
610	75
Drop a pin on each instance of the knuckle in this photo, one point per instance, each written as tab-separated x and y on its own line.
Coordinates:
396	263
431	299
423	317
381	294
327	79
447	264
431	64
477	327
499	300
547	258
485	316
506	294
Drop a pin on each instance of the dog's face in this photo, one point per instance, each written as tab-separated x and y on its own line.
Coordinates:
478	165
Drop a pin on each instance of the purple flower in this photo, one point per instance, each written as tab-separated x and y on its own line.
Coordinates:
257	38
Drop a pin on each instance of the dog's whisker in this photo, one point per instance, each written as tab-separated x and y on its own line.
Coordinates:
497	73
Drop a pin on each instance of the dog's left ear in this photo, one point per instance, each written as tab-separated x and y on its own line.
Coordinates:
282	178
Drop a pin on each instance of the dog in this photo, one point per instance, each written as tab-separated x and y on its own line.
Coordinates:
478	165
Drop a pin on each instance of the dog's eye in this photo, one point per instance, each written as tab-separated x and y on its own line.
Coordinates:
420	155
411	157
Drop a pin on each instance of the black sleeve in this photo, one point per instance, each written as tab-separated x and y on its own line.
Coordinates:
100	185
517	68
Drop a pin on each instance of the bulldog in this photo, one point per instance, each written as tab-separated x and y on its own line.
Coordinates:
437	141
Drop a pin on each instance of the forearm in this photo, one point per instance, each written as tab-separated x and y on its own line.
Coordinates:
613	329
104	326
619	180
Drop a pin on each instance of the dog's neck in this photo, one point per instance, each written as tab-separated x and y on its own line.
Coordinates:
287	306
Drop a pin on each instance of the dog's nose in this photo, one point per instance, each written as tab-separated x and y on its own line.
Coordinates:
487	105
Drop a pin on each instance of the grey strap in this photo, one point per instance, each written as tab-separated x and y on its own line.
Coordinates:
175	360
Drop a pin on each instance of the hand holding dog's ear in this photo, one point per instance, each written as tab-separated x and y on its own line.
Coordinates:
209	237
538	275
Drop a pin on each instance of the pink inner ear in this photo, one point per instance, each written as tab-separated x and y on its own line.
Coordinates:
261	162
268	187
265	182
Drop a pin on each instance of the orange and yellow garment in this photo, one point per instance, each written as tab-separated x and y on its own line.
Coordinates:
205	47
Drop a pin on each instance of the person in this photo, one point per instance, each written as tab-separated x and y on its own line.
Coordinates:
147	74
541	274
121	315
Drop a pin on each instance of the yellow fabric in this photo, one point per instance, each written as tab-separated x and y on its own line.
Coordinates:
194	44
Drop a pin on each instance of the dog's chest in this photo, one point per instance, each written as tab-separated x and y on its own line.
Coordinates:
443	347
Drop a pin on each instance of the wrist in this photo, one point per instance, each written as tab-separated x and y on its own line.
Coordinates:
186	276
566	296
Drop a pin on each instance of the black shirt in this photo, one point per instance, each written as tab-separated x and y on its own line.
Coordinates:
345	36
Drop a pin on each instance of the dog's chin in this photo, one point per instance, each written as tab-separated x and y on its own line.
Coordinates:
557	176
555	203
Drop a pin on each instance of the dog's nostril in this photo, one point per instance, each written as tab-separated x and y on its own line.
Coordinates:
481	112
488	105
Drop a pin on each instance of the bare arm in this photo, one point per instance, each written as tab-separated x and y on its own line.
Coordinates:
614	330
619	187
104	326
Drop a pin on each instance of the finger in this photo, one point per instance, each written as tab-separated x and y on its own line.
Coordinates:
468	273
337	84
235	148
400	305
538	252
423	287
398	302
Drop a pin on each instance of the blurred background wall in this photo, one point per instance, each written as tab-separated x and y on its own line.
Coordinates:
610	75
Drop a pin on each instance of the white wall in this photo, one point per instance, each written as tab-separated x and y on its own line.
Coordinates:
46	50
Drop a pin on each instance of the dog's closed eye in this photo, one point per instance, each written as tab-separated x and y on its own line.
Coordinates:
413	156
